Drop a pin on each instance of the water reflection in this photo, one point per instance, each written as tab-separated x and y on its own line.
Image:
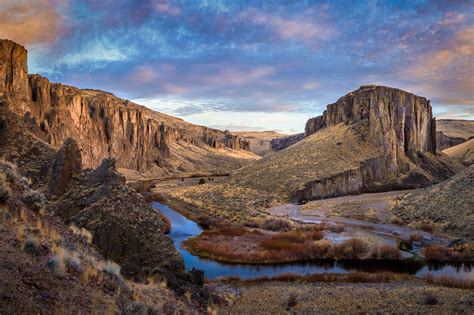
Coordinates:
183	228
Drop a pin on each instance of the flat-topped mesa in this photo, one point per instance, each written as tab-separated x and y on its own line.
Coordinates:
102	124
399	121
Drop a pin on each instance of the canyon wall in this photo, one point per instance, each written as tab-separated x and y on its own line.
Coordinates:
399	122
444	141
102	124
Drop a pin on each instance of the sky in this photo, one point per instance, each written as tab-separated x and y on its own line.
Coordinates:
250	65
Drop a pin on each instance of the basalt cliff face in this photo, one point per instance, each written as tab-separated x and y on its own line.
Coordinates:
400	122
106	126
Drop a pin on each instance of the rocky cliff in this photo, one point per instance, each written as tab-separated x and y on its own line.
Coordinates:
106	126
399	122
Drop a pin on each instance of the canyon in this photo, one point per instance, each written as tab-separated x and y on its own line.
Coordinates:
373	139
105	126
74	164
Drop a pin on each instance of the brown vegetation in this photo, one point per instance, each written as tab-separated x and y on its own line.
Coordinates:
227	242
276	224
463	252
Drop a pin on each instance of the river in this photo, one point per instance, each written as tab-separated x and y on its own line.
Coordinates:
183	228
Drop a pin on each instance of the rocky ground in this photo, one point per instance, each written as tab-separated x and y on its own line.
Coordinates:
49	267
120	225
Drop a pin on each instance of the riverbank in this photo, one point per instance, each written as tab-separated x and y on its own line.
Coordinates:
183	229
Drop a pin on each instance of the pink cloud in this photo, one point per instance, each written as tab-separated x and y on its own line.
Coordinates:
447	72
300	28
166	7
453	18
30	22
225	74
144	74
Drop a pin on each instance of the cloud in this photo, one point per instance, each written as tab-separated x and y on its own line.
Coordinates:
30	22
446	73
300	28
165	7
453	18
98	52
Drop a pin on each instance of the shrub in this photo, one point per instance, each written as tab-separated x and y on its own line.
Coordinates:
336	228
112	268
396	220
74	262
34	199
89	273
10	170
82	232
424	226
276	224
387	252
4	188
436	252
430	299
463	252
252	224
323	249
351	249
291	302
31	245
56	265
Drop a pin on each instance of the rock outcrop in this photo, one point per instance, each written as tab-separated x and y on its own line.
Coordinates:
283	143
443	141
66	164
400	122
451	132
124	226
104	125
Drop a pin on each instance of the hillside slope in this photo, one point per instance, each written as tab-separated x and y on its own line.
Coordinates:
106	126
464	152
449	205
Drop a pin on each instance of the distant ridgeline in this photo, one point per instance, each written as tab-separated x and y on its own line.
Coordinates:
106	126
